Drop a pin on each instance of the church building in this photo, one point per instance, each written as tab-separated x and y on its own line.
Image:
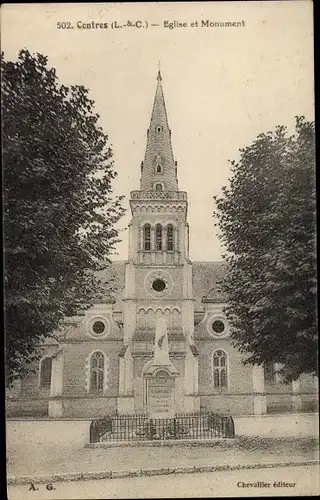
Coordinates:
99	363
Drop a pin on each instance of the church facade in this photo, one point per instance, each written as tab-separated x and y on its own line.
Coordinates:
99	362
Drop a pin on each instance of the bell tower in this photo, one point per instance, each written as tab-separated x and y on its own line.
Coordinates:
158	277
164	237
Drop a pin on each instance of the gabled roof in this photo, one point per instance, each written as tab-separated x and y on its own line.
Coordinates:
206	278
114	278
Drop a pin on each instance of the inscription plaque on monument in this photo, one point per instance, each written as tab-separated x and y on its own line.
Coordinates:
161	395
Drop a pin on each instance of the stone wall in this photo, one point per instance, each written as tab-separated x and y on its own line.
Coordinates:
70	407
88	407
30	407
76	369
225	404
288	425
240	378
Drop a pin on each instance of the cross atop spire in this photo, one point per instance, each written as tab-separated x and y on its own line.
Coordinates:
159	169
159	77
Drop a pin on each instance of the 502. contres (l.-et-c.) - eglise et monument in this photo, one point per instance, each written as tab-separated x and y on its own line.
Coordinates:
160	345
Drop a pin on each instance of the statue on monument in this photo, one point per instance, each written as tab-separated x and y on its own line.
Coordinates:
161	347
161	351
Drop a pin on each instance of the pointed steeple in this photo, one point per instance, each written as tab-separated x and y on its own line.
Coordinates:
158	171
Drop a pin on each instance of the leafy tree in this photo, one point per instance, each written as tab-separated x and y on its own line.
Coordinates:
267	222
59	208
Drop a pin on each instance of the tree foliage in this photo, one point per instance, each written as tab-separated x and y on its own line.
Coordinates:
267	222
59	208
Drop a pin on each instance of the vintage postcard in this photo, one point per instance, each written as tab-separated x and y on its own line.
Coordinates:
159	249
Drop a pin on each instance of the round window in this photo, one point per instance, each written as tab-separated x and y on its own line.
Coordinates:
98	327
158	285
218	326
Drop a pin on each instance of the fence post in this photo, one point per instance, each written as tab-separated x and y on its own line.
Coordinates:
230	427
94	435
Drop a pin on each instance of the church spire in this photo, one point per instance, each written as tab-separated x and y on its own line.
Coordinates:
159	168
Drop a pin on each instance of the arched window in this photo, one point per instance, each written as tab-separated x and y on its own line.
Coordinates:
170	237
167	315
147	237
176	318
45	372
158	187
158	237
159	169
142	318
220	380
150	319
97	371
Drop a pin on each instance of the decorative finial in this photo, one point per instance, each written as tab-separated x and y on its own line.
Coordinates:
159	78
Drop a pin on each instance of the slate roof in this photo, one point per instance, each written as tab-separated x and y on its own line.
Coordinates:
206	280
114	277
159	147
206	277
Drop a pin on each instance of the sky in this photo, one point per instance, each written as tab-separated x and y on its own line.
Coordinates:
222	85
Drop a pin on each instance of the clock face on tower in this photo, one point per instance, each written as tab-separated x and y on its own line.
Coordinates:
158	283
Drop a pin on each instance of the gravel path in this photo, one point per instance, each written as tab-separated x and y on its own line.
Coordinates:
36	452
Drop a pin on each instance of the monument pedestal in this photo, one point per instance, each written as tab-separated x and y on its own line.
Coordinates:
161	394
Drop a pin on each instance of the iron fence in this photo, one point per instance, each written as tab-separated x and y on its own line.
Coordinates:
140	427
